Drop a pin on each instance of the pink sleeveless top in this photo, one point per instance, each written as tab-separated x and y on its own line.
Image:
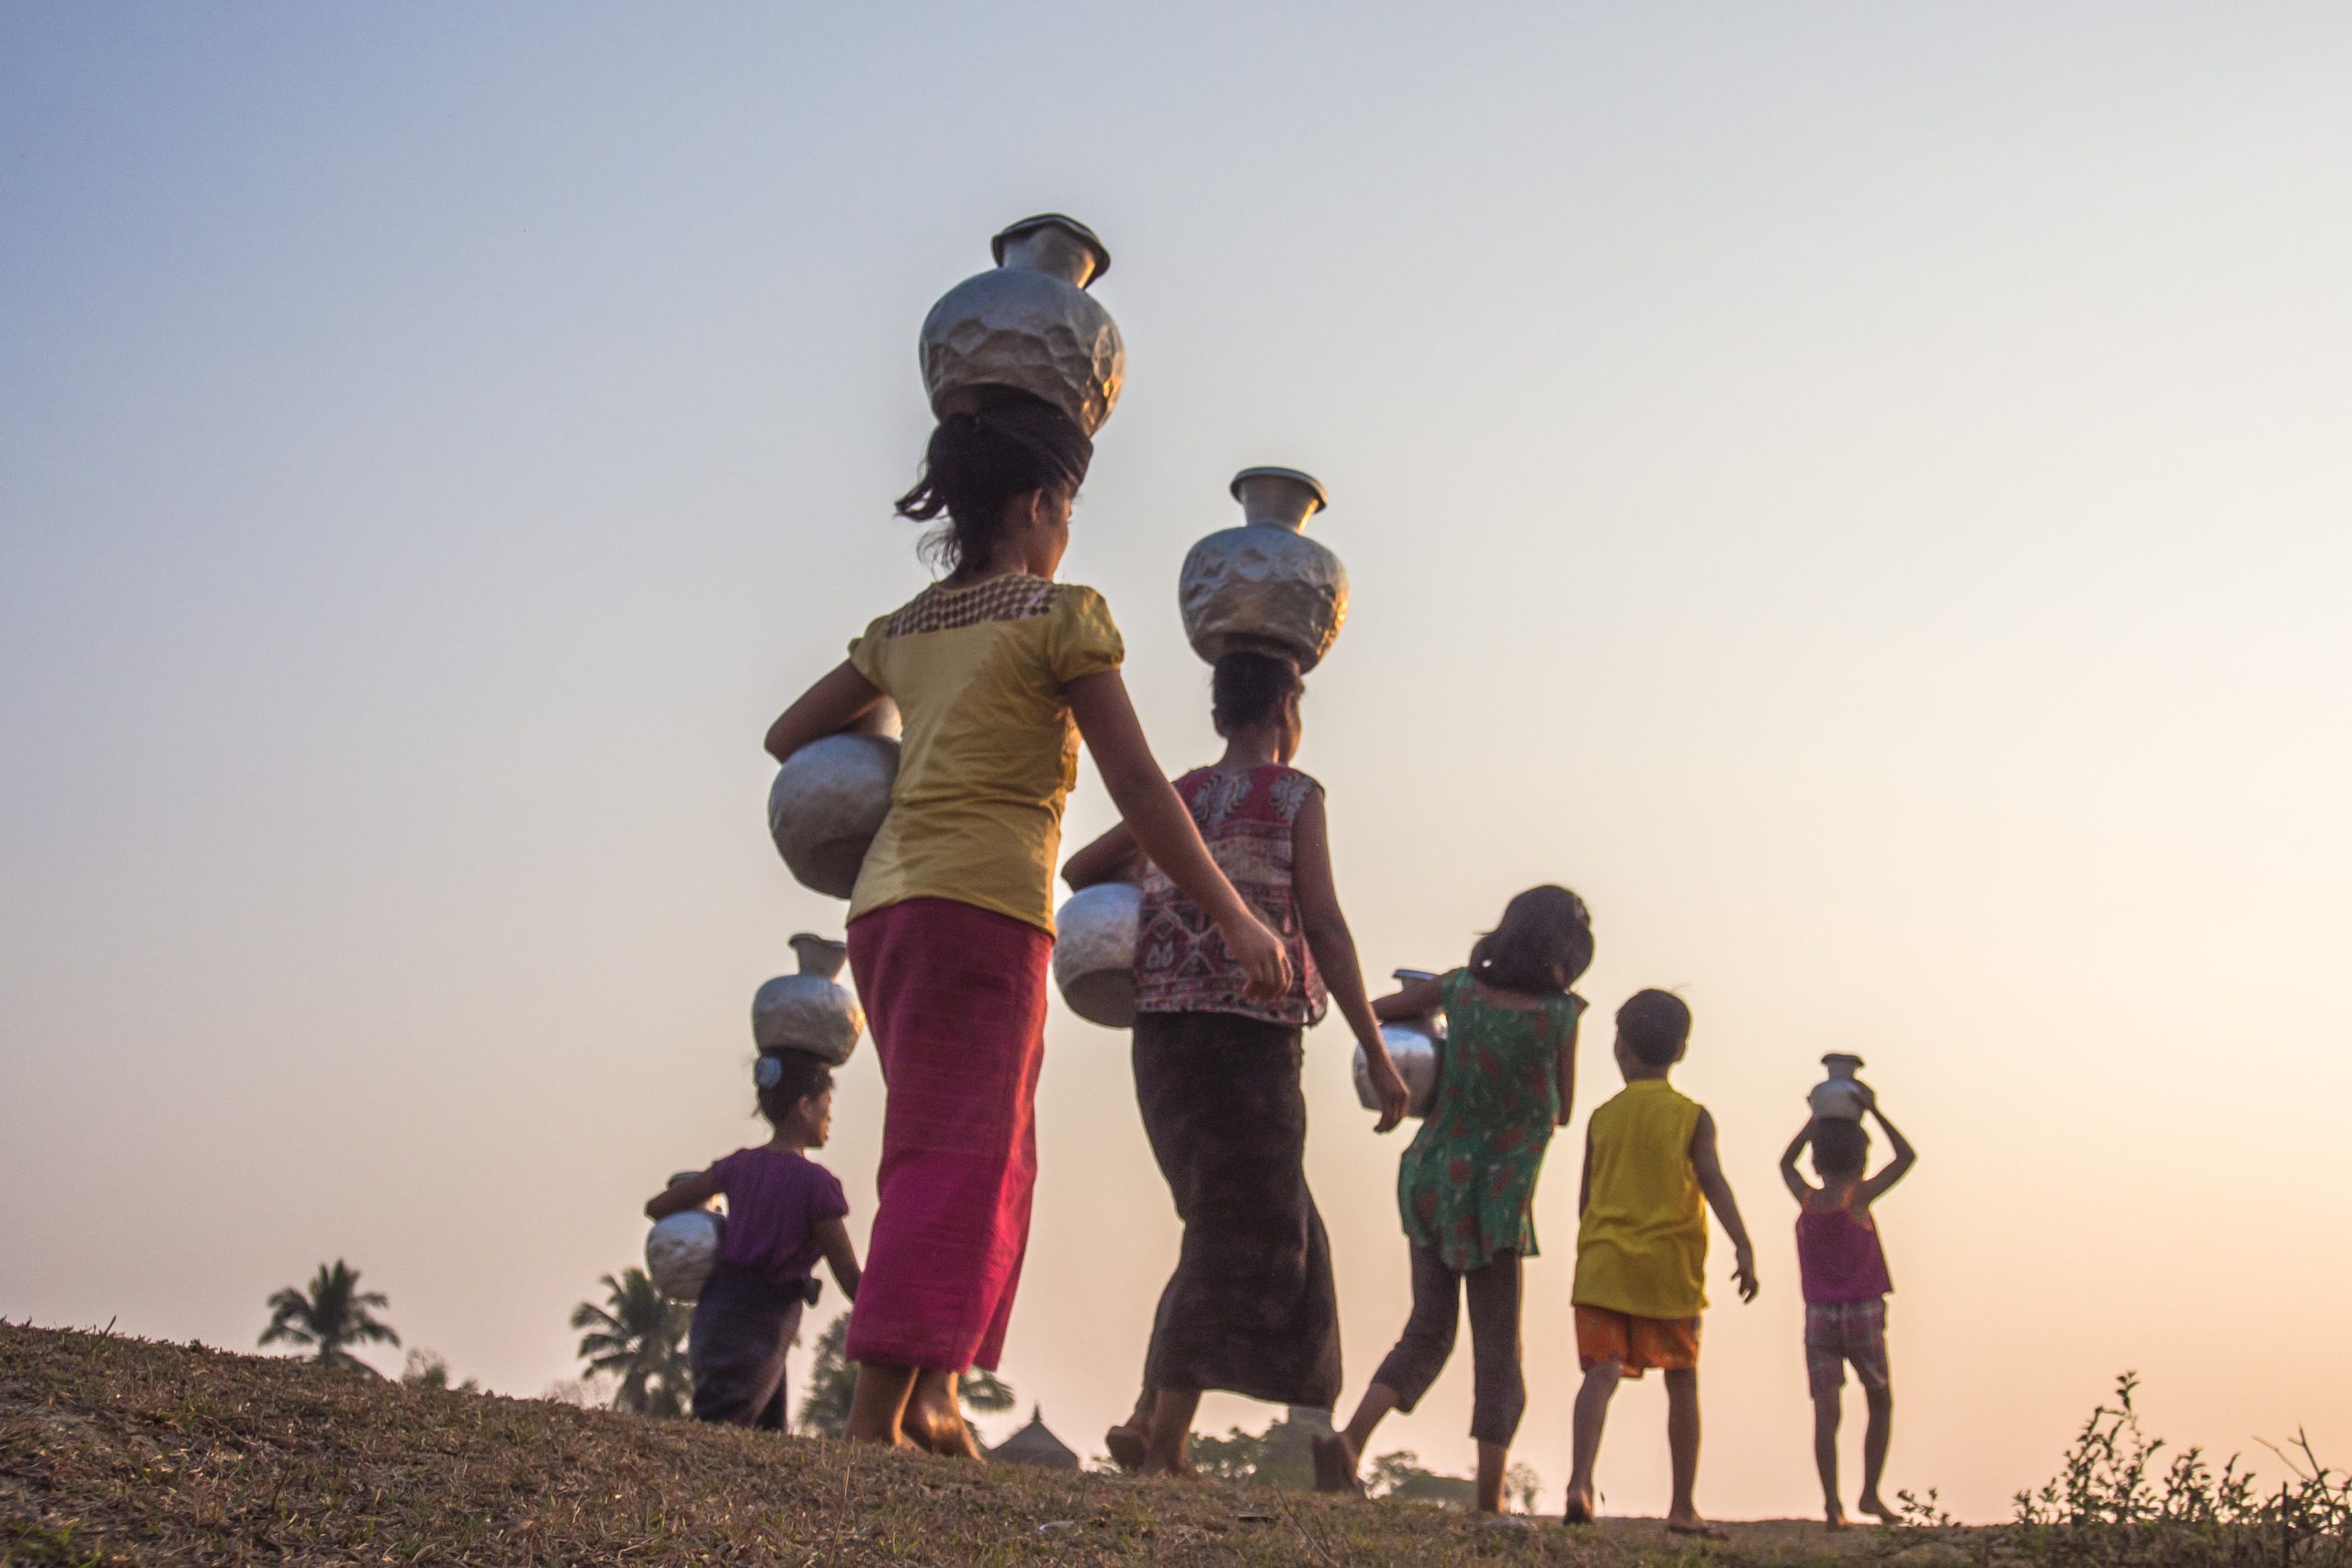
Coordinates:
1838	1256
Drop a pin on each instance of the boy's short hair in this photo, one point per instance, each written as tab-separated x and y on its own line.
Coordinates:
1655	1026
1840	1148
785	1078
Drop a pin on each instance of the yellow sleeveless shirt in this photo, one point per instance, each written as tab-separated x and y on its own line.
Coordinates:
1642	1246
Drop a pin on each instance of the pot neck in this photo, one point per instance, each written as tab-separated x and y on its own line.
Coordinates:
1276	501
818	958
1052	249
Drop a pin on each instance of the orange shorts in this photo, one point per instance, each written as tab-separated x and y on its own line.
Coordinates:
1669	1344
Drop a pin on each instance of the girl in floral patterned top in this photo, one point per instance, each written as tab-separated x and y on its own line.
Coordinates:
1252	1307
1466	1186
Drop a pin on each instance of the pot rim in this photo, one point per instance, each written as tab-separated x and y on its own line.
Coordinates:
1084	235
1274	471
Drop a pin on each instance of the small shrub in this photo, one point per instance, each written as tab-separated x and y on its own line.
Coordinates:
2118	1499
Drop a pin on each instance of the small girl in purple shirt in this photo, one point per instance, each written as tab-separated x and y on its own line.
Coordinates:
1843	1267
783	1213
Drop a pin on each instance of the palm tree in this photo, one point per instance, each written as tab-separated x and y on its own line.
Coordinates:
983	1393
638	1337
334	1314
824	1409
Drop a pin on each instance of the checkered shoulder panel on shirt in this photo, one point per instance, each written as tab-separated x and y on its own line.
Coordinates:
942	609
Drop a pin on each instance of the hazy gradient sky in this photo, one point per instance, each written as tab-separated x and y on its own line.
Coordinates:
1858	493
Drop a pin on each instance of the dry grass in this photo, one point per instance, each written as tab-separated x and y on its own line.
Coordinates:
116	1451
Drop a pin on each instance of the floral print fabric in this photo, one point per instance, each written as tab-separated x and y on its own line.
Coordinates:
1181	962
1466	1186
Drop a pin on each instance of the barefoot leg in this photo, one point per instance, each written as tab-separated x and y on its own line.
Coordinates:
878	1402
1494	1463
1168	1451
1875	1441
933	1419
1378	1400
1826	1413
1599	1387
1126	1441
1682	1448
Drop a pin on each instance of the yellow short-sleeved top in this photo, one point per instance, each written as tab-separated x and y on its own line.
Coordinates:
989	751
1642	1246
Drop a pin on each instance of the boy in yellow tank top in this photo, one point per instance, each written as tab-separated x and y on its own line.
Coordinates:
1649	1159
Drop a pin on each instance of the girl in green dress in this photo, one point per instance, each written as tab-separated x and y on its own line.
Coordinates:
1466	1186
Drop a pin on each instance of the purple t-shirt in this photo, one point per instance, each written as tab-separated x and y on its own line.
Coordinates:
775	1202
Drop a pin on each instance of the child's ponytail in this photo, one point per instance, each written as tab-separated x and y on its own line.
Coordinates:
1542	943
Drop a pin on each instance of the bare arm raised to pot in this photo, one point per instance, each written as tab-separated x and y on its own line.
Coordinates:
1418	1000
687	1193
1107	859
838	700
1164	829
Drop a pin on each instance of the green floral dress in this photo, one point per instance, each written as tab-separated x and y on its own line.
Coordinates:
1466	1186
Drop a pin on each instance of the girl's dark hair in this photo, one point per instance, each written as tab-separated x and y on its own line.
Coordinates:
795	1075
1655	1026
1542	943
977	463
1249	686
1840	1148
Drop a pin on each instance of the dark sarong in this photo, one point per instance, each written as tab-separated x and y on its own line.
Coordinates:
1252	1307
744	1324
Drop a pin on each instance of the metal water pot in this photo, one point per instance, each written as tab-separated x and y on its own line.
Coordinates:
1029	325
1838	1097
682	1250
1265	587
1416	1045
828	800
1094	952
808	1012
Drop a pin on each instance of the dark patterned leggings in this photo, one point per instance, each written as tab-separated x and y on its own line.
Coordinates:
1499	1392
744	1324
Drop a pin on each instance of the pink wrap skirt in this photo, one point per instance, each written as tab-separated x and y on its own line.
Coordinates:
955	997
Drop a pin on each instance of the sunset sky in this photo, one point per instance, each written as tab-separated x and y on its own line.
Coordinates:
1860	493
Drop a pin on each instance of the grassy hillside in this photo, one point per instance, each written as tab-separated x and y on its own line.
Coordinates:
116	1451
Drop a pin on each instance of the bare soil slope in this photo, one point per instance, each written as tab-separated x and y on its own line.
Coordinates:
116	1451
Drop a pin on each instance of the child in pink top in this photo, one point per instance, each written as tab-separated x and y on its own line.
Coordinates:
1845	1286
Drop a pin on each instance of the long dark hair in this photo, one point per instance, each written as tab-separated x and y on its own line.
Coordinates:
978	463
1542	943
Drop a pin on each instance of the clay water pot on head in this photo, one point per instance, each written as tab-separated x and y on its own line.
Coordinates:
828	800
1838	1097
682	1249
1265	587
1415	1044
1094	952
1029	325
808	1012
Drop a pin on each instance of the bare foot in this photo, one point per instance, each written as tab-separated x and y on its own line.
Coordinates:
1834	1517
1871	1505
1579	1508
1694	1526
1335	1464
945	1435
1126	1445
